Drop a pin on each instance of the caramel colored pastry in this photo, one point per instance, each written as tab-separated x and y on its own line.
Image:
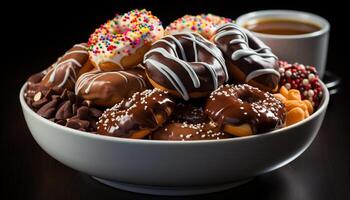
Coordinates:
244	110
297	109
121	43
248	59
64	72
108	88
186	65
137	116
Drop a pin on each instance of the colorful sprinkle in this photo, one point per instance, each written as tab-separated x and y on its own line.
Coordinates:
203	24
124	34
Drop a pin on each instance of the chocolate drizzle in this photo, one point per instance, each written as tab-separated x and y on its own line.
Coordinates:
144	111
242	104
248	59
187	63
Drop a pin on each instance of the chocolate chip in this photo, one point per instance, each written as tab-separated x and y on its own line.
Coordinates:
48	94
40	103
83	113
29	102
64	111
77	123
79	100
48	110
93	125
62	107
71	96
58	97
47	113
94	112
61	122
57	90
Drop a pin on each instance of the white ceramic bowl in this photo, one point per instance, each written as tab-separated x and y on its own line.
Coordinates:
173	167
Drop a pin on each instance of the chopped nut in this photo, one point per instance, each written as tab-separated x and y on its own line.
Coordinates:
37	96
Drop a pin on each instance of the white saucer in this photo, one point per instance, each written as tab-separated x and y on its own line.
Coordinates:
171	191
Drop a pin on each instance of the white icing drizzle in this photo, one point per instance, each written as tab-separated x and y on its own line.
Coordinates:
141	66
213	73
183	54
259	72
66	76
81	46
171	76
174	79
76	51
217	55
244	52
70	65
89	79
187	67
139	79
244	41
169	44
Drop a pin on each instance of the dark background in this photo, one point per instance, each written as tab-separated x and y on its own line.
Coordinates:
35	34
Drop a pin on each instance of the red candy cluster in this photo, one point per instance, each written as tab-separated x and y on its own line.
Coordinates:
303	78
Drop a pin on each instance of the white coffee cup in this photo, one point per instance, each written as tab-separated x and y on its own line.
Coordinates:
309	49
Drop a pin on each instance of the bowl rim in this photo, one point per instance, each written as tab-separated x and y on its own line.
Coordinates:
67	130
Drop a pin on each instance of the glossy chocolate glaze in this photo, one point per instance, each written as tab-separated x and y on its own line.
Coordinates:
108	88
189	123
135	114
248	59
240	104
184	131
63	73
189	113
186	62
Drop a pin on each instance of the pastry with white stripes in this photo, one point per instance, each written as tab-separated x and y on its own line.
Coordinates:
248	59
108	88
64	72
185	64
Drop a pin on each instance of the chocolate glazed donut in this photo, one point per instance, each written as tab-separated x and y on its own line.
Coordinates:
64	72
137	116
185	64
108	88
248	59
243	110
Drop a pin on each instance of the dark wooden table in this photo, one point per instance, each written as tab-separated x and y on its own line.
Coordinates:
322	172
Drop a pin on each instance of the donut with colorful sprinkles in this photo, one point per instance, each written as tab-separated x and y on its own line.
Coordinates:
121	42
203	24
